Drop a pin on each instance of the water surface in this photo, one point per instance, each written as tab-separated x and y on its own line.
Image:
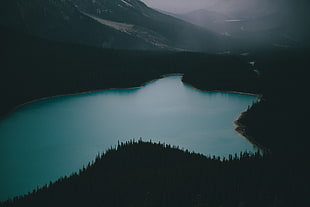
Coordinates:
50	138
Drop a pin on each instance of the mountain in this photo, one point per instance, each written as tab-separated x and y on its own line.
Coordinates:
268	29
61	21
126	24
209	19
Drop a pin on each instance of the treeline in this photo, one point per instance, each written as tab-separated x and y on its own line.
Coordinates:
33	68
139	173
279	121
228	74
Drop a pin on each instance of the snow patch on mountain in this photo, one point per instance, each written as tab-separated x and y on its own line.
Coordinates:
233	20
133	30
226	34
122	27
128	4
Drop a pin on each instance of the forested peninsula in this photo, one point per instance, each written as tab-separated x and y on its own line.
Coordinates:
141	173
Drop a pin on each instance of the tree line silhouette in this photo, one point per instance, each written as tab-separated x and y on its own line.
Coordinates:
279	120
140	173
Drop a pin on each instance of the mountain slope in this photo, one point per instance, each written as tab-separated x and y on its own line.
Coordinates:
176	32
61	21
127	24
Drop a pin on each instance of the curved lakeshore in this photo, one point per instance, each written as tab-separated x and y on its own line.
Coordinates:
241	128
71	130
15	108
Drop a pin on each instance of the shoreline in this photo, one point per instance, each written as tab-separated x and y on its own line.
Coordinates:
15	108
240	128
259	96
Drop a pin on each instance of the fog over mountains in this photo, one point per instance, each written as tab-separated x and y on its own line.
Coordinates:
277	23
250	7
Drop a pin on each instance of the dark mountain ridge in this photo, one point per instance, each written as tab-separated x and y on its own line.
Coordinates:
61	21
126	24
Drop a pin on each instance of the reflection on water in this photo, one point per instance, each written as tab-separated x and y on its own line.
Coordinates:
55	137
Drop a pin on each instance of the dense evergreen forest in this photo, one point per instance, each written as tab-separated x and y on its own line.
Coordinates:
153	174
279	121
149	174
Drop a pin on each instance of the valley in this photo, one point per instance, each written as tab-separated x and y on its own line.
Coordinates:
58	47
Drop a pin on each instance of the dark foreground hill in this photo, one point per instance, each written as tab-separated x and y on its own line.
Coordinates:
148	174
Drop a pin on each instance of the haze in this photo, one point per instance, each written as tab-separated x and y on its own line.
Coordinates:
226	6
278	22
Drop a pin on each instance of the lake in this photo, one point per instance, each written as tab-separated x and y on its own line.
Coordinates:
49	138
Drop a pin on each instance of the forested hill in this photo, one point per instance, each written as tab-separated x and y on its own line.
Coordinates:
279	121
149	174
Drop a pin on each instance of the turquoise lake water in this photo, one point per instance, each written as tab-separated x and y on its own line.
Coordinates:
50	138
